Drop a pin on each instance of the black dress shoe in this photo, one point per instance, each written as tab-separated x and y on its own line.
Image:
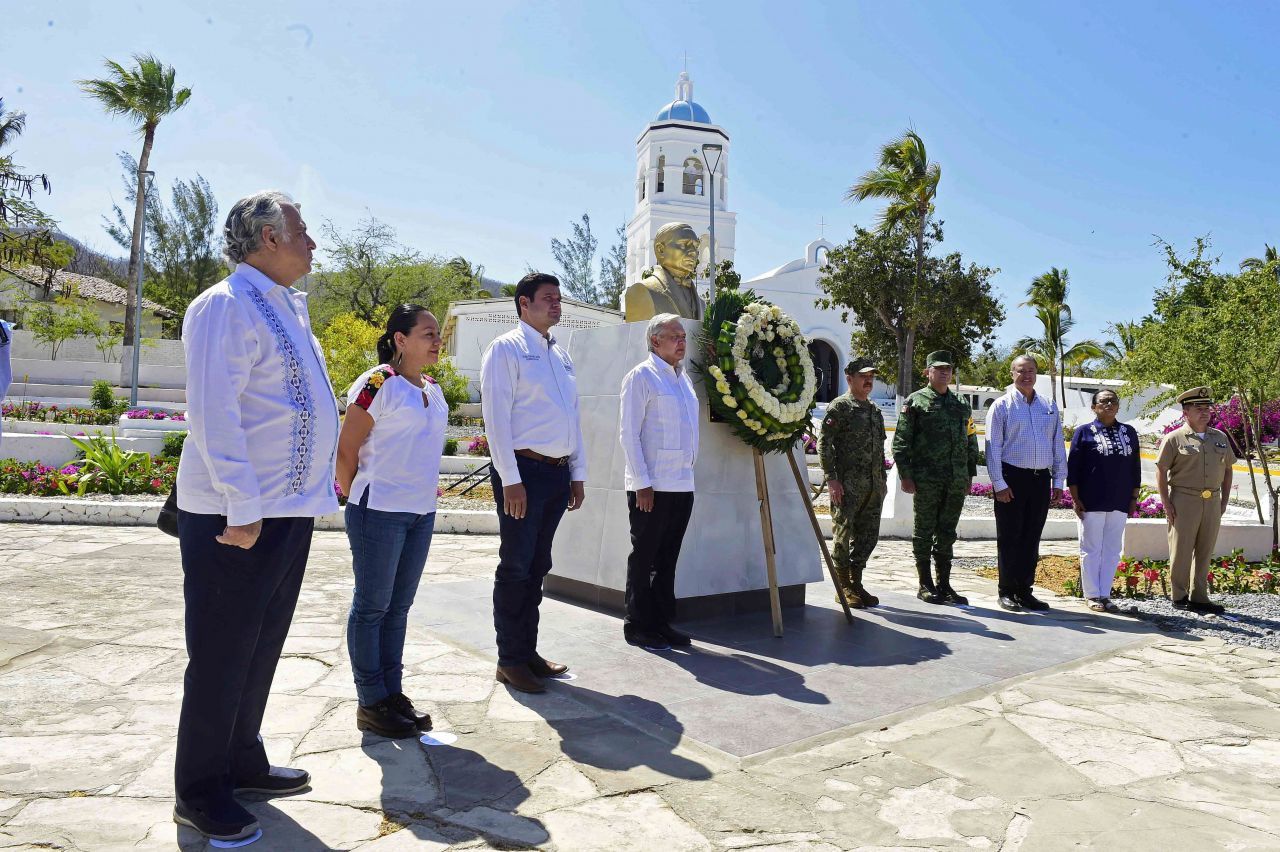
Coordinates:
1181	603
1030	601
276	781
546	668
929	595
674	637
645	639
951	596
402	705
1207	608
230	822
385	721
1010	603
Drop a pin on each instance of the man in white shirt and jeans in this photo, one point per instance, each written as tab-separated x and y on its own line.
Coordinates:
529	397
659	435
256	470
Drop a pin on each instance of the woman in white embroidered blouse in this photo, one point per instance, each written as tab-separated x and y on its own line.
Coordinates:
389	467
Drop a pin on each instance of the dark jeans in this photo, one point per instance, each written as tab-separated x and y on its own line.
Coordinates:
388	553
1018	526
656	537
524	556
238	607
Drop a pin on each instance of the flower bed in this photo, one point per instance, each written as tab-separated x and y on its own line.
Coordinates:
986	489
1148	578
38	411
1149	505
154	414
39	480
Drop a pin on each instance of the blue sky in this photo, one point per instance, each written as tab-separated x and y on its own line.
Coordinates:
1069	135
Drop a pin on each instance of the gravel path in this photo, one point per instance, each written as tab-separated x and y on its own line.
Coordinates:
1252	619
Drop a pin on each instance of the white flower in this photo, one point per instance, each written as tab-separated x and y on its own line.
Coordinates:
722	386
729	401
742	415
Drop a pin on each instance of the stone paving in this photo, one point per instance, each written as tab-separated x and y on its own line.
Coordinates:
1165	743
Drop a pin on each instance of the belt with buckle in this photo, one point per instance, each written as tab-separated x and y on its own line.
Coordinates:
560	461
1205	493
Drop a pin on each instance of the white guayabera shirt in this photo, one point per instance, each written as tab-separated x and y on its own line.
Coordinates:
659	426
529	398
263	418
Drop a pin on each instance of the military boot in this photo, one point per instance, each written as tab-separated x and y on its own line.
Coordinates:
845	587
927	592
855	582
945	592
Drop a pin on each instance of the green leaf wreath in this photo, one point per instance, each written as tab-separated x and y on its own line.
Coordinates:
760	378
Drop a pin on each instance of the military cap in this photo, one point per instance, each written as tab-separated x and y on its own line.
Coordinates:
941	358
1195	396
860	365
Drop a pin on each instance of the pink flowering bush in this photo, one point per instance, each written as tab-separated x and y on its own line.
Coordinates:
154	414
39	480
1230	418
478	446
986	489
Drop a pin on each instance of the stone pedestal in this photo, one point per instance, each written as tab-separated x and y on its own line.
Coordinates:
722	566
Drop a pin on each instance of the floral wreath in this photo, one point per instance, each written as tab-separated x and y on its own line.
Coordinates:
759	368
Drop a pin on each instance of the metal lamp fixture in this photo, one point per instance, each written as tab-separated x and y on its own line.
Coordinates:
707	151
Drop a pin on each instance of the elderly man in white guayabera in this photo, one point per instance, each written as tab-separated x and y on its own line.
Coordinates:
256	471
659	435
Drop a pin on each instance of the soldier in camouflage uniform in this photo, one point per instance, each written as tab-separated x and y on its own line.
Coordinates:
851	449
935	448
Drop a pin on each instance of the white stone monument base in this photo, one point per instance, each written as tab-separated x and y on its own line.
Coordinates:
722	565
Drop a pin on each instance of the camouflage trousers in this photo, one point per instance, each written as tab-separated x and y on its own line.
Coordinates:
937	513
855	528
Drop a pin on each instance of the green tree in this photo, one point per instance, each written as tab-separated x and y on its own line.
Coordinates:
367	271
350	345
907	180
1048	294
1124	339
613	271
1214	328
27	234
576	259
55	323
144	94
453	383
1269	257
183	240
872	277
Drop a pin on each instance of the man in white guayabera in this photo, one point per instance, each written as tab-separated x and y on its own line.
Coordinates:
256	470
659	435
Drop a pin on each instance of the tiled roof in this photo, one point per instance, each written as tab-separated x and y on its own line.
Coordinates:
87	287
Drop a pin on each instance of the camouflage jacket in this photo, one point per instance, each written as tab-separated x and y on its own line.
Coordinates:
851	444
935	439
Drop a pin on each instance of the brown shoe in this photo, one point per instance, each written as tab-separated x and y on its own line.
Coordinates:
851	597
868	599
546	668
519	678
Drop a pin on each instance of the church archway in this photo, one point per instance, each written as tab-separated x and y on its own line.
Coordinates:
826	366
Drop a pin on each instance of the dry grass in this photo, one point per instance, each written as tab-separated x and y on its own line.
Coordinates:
1052	572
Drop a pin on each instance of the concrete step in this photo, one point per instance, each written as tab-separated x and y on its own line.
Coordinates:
33	391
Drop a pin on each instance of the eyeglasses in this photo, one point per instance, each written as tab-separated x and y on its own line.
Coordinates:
1106	403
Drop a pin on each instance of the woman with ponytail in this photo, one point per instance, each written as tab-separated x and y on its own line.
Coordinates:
388	466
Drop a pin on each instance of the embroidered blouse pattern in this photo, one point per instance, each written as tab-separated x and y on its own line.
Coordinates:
297	387
1111	440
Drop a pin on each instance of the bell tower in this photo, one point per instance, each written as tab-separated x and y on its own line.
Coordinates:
672	180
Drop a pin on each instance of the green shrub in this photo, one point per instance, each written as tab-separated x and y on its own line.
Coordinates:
450	446
101	396
173	444
453	383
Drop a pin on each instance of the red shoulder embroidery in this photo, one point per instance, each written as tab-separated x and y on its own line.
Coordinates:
371	386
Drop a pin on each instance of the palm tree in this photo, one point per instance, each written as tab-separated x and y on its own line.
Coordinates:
144	94
1269	257
909	182
1044	349
1049	291
11	124
1125	341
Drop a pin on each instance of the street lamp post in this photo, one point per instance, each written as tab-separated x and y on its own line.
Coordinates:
137	306
711	186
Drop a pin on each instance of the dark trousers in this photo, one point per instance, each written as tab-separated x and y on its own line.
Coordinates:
238	607
1018	526
524	556
656	537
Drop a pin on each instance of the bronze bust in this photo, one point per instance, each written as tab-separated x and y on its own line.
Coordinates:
668	289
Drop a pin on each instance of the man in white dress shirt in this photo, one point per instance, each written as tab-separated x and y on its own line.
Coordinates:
530	401
659	435
256	470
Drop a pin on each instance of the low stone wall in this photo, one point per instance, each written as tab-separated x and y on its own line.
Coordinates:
57	450
1148	538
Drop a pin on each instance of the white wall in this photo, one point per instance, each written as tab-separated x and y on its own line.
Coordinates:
160	351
